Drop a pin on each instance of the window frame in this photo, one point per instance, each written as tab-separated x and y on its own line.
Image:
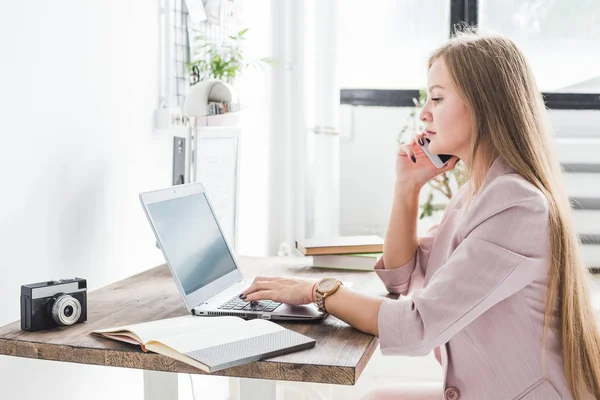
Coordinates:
461	11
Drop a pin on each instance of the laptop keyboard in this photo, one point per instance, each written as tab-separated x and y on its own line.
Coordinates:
237	304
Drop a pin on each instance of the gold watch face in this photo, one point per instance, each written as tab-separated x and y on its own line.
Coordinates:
327	285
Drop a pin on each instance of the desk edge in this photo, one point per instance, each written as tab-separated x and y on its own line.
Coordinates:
275	370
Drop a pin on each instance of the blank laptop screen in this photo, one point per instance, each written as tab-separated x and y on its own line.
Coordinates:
191	240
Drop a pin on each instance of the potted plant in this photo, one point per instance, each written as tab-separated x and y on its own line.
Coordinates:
444	185
224	62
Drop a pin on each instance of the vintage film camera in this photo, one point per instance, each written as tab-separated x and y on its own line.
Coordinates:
53	303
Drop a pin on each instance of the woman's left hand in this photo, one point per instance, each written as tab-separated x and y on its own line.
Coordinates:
284	290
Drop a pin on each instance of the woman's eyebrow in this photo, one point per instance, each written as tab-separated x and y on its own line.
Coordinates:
435	86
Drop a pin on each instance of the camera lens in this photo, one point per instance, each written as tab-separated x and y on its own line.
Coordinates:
66	310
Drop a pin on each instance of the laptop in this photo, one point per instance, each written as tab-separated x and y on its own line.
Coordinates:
201	261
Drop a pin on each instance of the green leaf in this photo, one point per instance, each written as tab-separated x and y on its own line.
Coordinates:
226	60
269	60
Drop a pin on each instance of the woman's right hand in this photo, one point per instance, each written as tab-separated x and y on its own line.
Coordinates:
417	173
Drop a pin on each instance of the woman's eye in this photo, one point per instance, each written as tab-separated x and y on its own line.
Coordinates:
436	99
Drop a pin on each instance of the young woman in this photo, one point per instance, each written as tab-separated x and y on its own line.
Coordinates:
503	296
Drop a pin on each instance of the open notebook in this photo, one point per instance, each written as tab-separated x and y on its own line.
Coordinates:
211	344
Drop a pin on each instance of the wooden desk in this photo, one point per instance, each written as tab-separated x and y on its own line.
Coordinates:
339	357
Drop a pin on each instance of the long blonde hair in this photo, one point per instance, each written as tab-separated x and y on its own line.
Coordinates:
510	119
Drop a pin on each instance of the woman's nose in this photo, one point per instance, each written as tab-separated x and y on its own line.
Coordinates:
425	115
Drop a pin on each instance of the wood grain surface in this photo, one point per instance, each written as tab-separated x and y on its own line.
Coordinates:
339	357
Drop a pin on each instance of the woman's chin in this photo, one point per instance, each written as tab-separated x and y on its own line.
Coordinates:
435	150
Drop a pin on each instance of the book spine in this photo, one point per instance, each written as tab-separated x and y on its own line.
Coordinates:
322	251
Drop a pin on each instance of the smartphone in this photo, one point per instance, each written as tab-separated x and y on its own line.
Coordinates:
438	160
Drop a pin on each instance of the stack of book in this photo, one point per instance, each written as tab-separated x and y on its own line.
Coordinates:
343	252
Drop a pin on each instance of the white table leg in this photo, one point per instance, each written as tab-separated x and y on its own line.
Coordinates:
160	385
257	389
308	391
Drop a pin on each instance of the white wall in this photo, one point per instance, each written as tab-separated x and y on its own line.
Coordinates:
79	85
367	160
368	151
367	167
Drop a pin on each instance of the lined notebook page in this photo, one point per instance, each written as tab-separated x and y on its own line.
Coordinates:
219	335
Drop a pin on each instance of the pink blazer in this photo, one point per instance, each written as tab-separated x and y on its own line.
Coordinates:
476	288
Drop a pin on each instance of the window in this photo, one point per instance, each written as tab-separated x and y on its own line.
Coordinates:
385	45
560	38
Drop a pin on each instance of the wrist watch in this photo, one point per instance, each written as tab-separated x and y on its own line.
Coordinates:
326	287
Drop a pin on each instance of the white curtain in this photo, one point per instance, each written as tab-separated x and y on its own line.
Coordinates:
289	174
305	124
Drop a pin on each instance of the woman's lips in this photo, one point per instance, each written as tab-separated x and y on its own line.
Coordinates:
430	132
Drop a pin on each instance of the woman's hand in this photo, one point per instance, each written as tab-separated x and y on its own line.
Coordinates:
413	168
284	290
